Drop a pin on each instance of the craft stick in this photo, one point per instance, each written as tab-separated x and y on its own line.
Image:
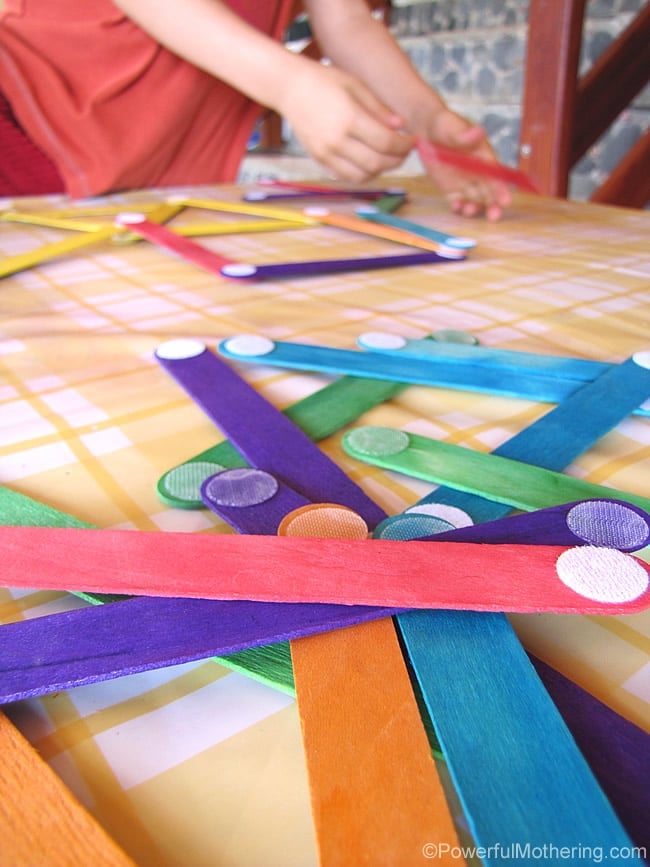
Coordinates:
163	237
149	633
474	165
389	204
239	227
103	642
300	195
380	757
617	750
416	370
619	772
235	407
514	578
314	268
608	523
375	215
565	367
51	219
511	482
272	665
33	258
162	213
321	188
487	645
377	230
41	822
376	796
524	785
271	213
319	415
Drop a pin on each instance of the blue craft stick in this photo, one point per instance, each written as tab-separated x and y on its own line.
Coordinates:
283	449
505	744
438	371
579	369
314	268
375	215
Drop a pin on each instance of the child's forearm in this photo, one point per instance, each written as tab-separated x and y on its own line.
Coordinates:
363	46
209	35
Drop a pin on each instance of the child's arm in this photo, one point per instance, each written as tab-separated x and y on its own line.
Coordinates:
362	46
338	119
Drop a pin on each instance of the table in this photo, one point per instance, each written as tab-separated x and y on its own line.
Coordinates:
199	765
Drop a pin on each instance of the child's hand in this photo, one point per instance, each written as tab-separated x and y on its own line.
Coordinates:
466	193
343	125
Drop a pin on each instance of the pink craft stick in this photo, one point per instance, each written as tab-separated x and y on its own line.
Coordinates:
183	247
475	165
448	575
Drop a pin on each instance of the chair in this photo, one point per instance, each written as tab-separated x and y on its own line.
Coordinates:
564	114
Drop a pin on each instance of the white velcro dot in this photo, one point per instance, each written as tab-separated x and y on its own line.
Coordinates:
130	219
642	358
381	340
316	212
249	344
602	574
448	252
453	515
238	269
460	242
184	347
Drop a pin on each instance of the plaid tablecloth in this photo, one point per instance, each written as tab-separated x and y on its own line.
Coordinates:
199	765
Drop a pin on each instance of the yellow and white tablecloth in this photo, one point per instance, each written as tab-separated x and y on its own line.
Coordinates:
198	765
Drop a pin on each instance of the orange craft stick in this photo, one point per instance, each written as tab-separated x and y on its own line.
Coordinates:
375	791
40	820
387	233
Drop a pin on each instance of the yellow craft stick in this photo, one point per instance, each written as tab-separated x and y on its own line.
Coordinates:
192	230
23	261
251	210
105	210
40	820
53	220
388	233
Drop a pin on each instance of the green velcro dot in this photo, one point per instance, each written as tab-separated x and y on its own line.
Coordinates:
451	335
184	482
377	441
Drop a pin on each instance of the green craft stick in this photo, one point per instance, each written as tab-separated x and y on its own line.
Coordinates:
504	480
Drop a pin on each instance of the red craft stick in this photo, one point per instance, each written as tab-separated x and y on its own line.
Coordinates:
475	165
451	575
183	247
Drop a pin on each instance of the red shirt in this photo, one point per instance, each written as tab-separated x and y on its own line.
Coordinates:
113	109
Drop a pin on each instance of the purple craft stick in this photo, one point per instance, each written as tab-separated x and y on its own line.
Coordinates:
241	271
93	644
320	194
603	522
617	751
278	446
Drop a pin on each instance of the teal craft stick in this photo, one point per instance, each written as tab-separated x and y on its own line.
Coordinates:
505	744
438	371
581	369
376	215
